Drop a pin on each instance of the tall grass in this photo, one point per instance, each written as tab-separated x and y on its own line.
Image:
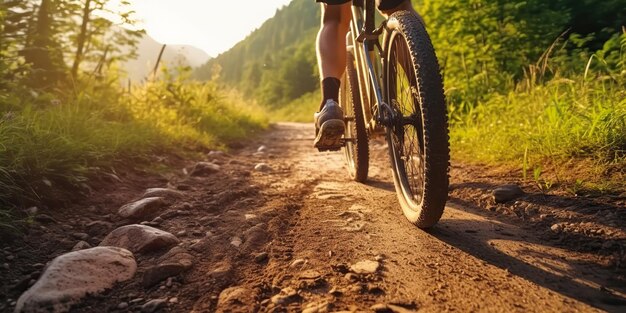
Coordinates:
579	117
52	144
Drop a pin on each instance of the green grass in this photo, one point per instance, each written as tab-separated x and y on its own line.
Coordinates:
51	145
553	125
298	110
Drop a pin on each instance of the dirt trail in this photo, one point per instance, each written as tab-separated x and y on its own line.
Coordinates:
290	238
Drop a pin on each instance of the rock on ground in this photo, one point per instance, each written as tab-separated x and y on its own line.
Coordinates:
173	263
365	267
140	239
507	193
262	167
204	169
237	299
72	276
162	192
141	209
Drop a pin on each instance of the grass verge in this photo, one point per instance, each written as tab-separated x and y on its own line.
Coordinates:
52	144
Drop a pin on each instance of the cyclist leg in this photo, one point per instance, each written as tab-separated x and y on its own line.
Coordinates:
388	7
331	59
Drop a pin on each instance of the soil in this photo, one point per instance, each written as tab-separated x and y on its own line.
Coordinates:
296	237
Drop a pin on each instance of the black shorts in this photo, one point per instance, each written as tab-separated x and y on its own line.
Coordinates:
382	5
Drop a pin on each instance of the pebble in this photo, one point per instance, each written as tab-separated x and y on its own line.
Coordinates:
365	267
261	257
262	167
236	241
81	236
507	193
153	305
298	262
557	228
122	305
261	149
81	245
173	300
10	257
204	168
181	233
5	266
136	300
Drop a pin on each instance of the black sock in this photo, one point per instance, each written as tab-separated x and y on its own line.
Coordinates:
330	90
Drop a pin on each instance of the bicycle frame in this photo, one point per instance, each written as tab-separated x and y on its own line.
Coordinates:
363	39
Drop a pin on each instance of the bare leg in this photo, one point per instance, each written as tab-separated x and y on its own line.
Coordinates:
331	40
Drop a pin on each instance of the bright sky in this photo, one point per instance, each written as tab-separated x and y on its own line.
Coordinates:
211	25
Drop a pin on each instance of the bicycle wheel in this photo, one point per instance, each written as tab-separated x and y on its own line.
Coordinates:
418	136
357	151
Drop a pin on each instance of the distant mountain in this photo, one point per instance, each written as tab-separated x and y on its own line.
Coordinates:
148	51
276	63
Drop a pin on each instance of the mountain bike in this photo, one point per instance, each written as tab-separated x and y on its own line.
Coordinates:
392	86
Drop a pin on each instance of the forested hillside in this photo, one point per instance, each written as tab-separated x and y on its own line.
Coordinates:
275	63
555	70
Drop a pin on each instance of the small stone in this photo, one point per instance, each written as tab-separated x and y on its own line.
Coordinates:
10	257
237	299
204	169
261	257
140	239
122	305
162	192
136	300
365	267
80	236
507	193
172	264
236	241
216	153
157	220
297	263
32	210
261	149
153	305
286	295
173	300
262	167
557	228
45	219
6	266
335	292
81	245
249	216
181	233
141	209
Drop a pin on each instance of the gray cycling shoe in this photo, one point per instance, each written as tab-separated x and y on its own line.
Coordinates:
329	127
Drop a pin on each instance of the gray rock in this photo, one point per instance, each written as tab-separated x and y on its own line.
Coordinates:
98	228
171	265
365	267
162	192
81	245
122	305
204	169
141	209
507	193
216	153
153	305
80	236
140	239
72	276
262	167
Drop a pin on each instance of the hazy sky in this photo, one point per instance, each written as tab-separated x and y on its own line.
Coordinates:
211	25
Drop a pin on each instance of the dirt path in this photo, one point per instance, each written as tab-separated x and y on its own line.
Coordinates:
302	236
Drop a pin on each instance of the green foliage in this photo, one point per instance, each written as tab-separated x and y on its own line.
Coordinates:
276	63
53	145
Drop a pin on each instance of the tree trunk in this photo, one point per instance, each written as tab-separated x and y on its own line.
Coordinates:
82	37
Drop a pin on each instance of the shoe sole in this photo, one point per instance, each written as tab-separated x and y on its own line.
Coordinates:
329	136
